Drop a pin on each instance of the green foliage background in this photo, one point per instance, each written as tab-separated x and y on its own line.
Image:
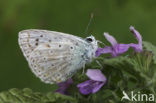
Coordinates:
69	16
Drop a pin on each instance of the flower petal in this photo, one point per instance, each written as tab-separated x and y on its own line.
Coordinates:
104	50
96	75
111	39
86	87
97	86
63	86
86	83
66	83
90	86
137	47
121	48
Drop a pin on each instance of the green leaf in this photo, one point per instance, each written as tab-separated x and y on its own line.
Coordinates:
28	96
150	47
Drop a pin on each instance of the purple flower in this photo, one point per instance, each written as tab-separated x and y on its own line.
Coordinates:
63	86
136	47
116	49
97	80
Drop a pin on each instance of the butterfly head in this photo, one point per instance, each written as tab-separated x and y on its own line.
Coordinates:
91	39
93	42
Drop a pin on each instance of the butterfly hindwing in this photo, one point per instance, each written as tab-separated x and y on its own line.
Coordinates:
55	62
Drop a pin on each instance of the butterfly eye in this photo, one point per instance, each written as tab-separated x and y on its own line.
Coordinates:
89	40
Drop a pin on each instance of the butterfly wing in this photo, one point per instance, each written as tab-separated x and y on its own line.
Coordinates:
55	62
32	38
56	56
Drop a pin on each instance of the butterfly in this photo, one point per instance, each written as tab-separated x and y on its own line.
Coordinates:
55	57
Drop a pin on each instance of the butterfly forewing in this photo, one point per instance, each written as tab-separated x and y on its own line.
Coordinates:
30	39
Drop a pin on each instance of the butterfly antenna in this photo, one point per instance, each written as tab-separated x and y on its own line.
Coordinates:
99	64
91	18
101	42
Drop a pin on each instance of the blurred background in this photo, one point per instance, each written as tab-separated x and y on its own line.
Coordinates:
68	16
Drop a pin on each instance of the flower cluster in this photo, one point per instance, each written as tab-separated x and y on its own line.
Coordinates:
116	49
96	78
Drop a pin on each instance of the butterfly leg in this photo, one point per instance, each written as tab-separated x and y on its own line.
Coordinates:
99	64
83	71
